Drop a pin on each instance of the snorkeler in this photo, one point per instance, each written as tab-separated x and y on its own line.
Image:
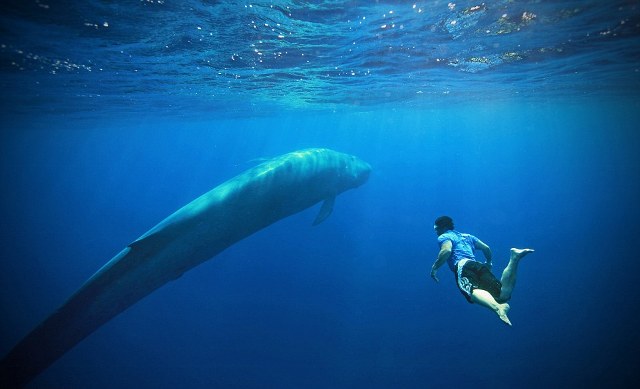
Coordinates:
474	279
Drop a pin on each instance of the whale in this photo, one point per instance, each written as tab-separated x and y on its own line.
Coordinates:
198	231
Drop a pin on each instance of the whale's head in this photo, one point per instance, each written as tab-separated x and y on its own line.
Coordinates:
359	170
353	171
325	172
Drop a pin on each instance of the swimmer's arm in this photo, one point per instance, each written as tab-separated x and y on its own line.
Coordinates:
486	250
443	255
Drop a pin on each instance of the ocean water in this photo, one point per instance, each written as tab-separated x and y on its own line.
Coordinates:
517	118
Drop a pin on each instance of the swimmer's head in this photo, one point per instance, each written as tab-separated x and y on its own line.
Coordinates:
442	225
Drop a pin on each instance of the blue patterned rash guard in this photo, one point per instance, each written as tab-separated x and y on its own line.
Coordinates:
463	246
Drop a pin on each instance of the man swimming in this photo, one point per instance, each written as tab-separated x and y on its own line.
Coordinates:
474	279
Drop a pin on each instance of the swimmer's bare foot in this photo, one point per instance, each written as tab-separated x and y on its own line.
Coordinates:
517	254
502	311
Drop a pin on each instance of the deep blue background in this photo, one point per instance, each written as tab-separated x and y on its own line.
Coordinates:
347	303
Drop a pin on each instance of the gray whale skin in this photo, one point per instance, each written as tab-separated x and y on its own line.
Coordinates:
196	232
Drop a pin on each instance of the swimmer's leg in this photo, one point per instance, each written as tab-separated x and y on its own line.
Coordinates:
509	274
484	298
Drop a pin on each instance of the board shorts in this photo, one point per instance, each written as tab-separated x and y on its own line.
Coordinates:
472	275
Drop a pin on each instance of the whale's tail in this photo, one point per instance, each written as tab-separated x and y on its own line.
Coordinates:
76	319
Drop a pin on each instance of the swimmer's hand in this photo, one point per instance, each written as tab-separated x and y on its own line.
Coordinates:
433	275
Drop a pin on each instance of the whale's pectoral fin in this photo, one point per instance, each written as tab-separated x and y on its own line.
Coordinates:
325	210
